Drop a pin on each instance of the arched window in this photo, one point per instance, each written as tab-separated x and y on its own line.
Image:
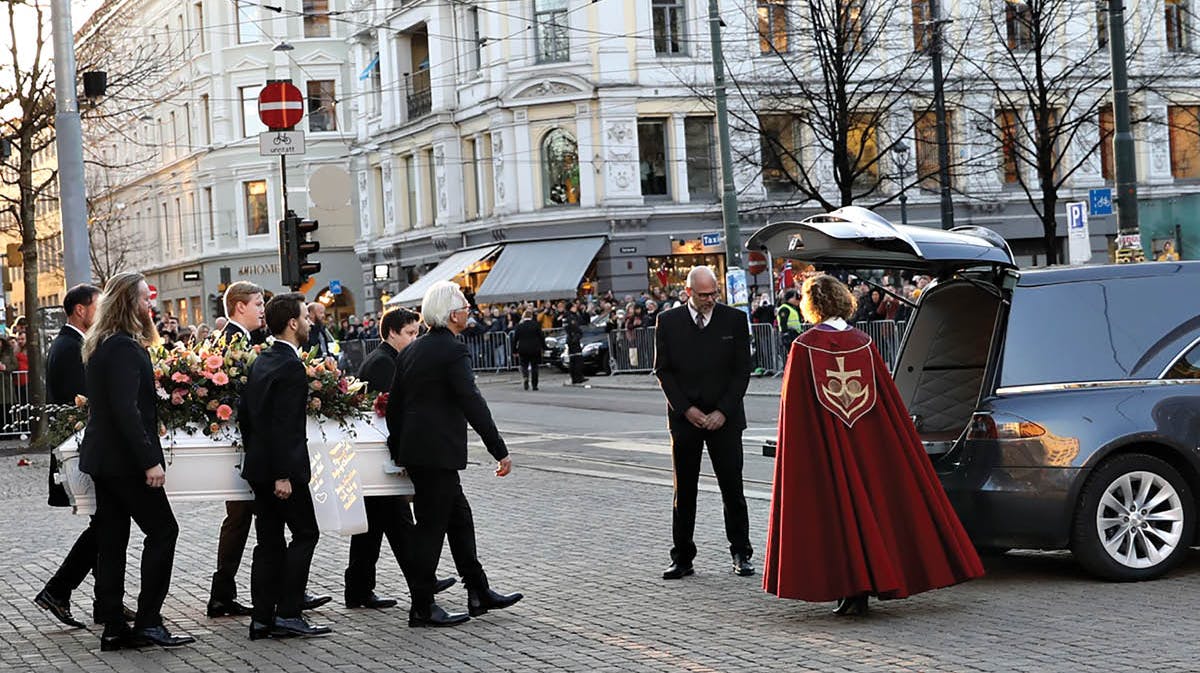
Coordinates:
560	169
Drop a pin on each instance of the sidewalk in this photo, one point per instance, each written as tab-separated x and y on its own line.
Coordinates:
762	386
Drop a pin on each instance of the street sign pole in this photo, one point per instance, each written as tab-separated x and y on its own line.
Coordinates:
280	107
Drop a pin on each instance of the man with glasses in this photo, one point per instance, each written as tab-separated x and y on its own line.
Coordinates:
702	361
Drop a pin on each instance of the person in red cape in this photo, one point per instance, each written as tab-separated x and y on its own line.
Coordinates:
856	508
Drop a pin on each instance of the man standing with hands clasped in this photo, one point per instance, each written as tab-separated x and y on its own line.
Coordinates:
271	415
702	361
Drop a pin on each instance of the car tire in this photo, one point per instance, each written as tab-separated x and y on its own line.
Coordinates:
1114	537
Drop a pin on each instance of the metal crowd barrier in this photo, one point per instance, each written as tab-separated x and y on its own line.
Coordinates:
14	404
631	351
491	351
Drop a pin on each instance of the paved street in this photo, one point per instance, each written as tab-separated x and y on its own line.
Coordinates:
582	526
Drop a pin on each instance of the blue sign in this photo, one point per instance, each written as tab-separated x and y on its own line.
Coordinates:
1076	217
335	287
711	239
1100	201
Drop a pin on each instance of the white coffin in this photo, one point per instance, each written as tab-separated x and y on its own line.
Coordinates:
204	469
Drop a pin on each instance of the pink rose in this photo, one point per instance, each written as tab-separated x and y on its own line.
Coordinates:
180	377
214	362
315	385
201	392
177	398
224	412
220	378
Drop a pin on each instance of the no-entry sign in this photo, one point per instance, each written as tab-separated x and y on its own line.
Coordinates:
280	105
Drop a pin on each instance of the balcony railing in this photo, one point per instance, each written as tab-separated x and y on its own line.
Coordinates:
417	93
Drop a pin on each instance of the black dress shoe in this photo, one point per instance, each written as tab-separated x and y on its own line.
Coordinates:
297	626
260	631
122	638
434	615
853	606
677	571
741	566
228	609
373	602
443	584
159	635
59	608
480	601
312	602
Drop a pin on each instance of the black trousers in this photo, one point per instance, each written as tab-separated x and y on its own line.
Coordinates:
235	530
725	451
386	515
279	571
575	353
530	363
119	500
80	561
441	509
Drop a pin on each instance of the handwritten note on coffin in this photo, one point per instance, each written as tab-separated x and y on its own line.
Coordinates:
336	488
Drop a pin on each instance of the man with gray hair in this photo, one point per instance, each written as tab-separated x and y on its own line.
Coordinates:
702	361
433	398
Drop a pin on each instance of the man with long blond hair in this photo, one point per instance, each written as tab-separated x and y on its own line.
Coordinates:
122	453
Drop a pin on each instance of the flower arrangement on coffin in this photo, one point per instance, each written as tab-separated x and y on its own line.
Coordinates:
332	394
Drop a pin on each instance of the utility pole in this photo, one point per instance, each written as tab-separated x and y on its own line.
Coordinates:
1126	166
729	206
68	130
939	107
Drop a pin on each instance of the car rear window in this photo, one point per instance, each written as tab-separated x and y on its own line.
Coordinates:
1088	331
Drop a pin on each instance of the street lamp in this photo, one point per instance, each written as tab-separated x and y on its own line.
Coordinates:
900	160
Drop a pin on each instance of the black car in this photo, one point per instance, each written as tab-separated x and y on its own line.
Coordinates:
1060	407
595	352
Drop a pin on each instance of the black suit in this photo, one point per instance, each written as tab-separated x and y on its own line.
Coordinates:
708	369
65	380
119	444
271	415
319	338
239	516
530	340
433	397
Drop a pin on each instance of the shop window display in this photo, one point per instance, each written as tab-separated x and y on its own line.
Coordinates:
560	165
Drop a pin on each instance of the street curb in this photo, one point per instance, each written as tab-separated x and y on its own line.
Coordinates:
616	386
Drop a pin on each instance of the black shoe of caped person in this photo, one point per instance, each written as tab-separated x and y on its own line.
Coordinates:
372	601
312	602
297	626
434	615
678	570
741	565
443	584
228	609
160	636
479	601
59	608
852	606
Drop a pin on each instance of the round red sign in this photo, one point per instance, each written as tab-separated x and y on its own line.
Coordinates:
153	292
757	263
280	105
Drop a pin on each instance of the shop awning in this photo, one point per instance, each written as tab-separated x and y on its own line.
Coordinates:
448	269
539	270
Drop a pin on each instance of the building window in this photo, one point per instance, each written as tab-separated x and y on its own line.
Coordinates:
780	154
921	19
198	13
1177	25
475	47
854	25
1107	130
322	113
925	133
410	180
668	26
550	22
206	118
248	27
1102	27
772	26
257	216
470	178
701	166
560	169
1018	25
1008	146
1184	123
862	143
430	187
487	176
316	18
652	157
208	213
251	124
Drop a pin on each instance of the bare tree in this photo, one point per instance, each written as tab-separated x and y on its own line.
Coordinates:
1048	83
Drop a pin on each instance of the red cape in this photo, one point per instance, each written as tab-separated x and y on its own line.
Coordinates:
856	506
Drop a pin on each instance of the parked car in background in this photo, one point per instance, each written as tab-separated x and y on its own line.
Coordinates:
1060	407
595	352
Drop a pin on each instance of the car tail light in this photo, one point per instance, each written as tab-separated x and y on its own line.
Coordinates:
986	426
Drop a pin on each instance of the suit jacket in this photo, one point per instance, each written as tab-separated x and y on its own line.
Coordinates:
530	340
64	380
379	368
319	337
432	398
121	437
708	369
231	330
272	418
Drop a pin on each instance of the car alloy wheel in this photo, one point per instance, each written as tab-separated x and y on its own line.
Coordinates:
1140	519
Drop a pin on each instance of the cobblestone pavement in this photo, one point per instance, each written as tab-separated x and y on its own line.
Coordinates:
587	552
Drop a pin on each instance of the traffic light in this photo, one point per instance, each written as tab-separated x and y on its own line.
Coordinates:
216	307
294	249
